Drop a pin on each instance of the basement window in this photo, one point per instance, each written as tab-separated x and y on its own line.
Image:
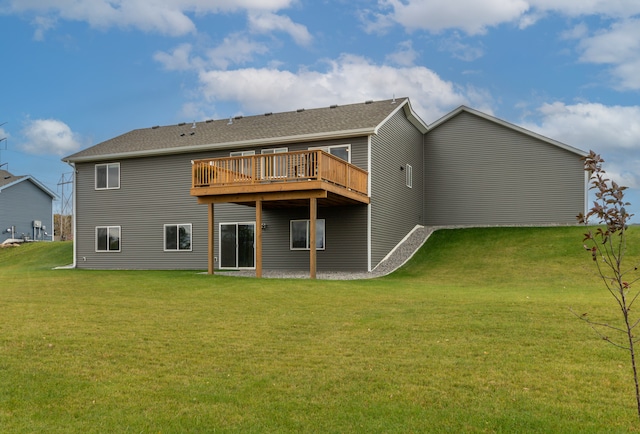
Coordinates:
177	238
299	234
108	239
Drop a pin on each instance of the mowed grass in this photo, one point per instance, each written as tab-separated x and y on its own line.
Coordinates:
475	334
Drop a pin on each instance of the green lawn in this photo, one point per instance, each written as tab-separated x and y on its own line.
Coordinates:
473	335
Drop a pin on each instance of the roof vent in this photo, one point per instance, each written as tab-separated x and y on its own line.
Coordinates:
182	123
192	133
230	121
208	121
268	114
239	117
193	125
182	135
369	101
300	110
155	127
334	106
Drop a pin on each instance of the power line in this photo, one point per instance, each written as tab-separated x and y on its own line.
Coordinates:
65	188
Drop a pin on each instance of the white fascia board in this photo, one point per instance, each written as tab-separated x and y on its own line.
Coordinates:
35	181
229	145
409	113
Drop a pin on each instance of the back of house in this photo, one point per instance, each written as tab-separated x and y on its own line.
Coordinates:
337	187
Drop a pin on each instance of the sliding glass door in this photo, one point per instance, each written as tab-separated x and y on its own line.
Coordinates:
237	245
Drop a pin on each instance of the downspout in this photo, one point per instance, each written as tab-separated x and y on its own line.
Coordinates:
73	216
369	205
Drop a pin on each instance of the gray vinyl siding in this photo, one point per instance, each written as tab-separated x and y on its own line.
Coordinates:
20	205
154	191
479	172
395	208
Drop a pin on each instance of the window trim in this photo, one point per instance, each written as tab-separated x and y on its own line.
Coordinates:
277	171
409	175
241	153
324	234
328	149
108	249
177	226
106	165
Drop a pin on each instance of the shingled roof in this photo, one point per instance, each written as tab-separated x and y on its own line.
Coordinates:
7	180
269	128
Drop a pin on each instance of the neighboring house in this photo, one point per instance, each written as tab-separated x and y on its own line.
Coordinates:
26	208
245	193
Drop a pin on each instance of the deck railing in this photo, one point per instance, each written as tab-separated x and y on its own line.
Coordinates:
279	167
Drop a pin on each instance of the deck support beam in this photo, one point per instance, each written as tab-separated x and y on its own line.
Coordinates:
211	226
313	212
258	238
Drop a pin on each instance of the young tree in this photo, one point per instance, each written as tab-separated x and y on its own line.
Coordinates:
606	243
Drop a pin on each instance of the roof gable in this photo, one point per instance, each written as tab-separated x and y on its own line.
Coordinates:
301	125
8	180
506	124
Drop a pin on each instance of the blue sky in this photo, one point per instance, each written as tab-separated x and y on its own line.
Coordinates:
76	73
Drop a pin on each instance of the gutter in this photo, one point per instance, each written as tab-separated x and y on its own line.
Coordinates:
227	145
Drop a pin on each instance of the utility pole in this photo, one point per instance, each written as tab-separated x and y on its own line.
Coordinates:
5	148
65	187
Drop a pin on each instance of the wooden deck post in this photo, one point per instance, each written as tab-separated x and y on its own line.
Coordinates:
313	210
211	225
258	238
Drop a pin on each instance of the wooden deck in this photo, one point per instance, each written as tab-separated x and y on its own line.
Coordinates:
309	178
281	179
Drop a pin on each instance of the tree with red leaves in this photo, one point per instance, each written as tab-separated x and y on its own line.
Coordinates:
606	244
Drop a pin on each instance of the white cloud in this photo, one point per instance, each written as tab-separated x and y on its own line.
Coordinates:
267	22
178	60
471	16
612	131
168	17
49	137
475	17
573	8
236	49
405	55
461	50
348	79
618	46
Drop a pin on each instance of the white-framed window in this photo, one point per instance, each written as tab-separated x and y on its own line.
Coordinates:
107	176
244	166
241	153
299	234
409	173
108	238
274	166
340	151
177	237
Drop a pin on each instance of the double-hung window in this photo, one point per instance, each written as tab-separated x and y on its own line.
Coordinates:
177	238
108	238
107	176
300	238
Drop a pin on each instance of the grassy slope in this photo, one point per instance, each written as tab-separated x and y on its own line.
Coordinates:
474	334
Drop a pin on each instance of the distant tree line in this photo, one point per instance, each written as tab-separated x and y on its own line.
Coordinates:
62	227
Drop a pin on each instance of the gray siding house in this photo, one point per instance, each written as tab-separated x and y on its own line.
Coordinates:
247	192
26	208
